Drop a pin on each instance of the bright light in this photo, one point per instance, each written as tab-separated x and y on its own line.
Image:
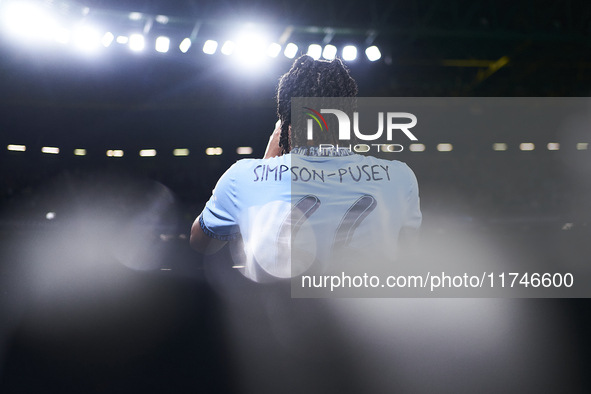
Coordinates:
373	53
107	39
228	48
185	45
122	39
274	50
213	151
244	150
210	47
136	42
251	48
181	152
314	50
290	50
50	215
162	19
444	147
166	238
582	146
17	148
62	36
526	146
80	152
329	53
162	44
553	146
349	52
87	38
148	152
135	16
50	149
416	147
500	146
28	20
115	153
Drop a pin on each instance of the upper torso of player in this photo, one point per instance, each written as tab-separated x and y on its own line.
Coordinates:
313	205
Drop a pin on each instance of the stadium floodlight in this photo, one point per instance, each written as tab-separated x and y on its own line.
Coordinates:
185	45
553	146
290	50
162	44
244	150
122	39
444	147
228	47
148	152
330	51
373	53
274	49
107	39
17	148
135	16
50	149
181	152
87	39
162	19
251	48
210	47
62	35
526	146
213	151
499	146
136	42
28	21
315	51
416	147
80	152
115	153
582	145
349	52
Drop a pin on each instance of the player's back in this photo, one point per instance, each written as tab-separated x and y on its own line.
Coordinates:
361	205
298	210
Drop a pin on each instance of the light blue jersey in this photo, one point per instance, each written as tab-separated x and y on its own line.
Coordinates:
300	209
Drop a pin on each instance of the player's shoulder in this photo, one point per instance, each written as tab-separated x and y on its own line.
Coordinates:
252	163
240	170
396	168
392	163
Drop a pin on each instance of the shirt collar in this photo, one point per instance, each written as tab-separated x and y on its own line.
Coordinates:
322	150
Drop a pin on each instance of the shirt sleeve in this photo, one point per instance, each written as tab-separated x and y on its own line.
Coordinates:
413	216
219	218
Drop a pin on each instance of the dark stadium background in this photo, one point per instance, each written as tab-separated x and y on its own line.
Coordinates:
163	326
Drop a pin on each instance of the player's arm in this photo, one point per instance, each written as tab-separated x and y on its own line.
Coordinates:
409	233
218	222
202	242
223	212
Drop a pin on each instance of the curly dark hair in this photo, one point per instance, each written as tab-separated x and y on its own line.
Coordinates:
310	78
